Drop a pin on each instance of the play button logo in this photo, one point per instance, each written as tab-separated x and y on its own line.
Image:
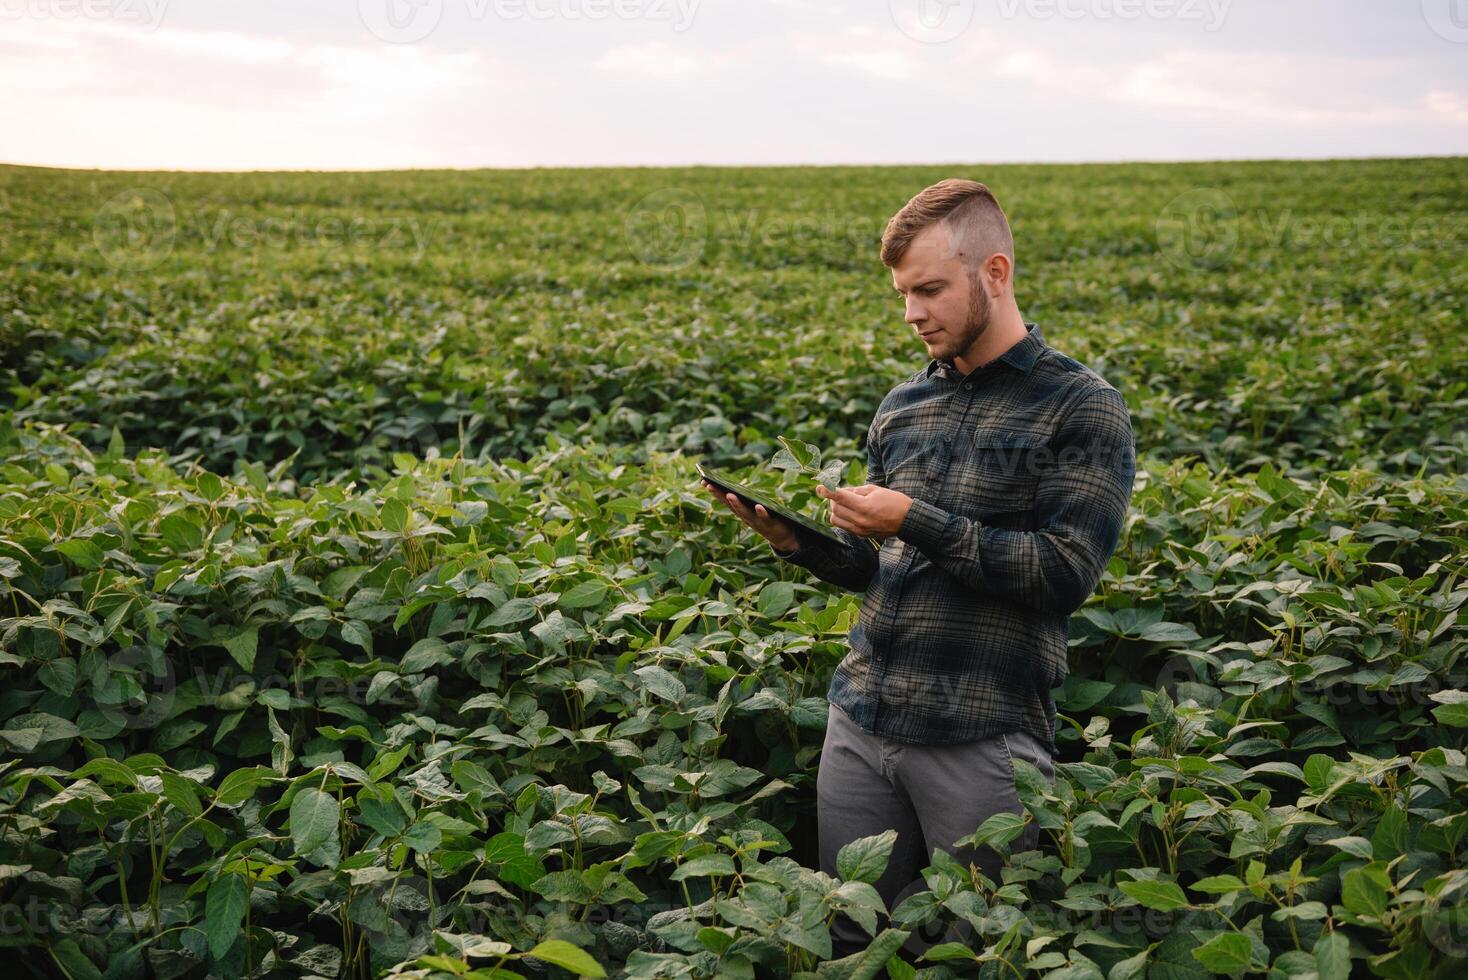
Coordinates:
1447	18
400	21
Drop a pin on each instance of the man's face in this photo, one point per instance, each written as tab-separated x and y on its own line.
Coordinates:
947	309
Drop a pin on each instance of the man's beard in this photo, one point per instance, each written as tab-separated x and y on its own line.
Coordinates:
976	321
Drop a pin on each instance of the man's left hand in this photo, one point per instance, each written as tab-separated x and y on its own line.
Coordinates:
867	511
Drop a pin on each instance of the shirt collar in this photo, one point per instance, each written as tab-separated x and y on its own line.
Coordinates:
1022	356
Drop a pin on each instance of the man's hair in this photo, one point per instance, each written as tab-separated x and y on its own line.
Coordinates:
976	223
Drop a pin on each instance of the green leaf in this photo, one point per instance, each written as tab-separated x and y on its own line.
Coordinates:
661	682
108	771
865	858
314	819
356	632
880	953
1333	956
82	552
1454	714
511	613
1364	891
775	598
1164	896
172	734
381	814
59	675
340	581
21	739
569	957
705	866
394	515
1169	633
427	652
900	969
1227	952
241	646
805	455
211	488
423	837
1134	967
832	474
716	940
949	951
1218	884
76	963
181	534
280	744
564	886
241	784
224	911
181	793
1356	846
584	594
52	728
1317	770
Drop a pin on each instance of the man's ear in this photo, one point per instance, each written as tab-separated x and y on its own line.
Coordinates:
997	273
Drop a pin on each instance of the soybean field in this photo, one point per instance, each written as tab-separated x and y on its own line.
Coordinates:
361	614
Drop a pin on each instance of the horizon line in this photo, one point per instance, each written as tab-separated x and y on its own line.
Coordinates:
734	166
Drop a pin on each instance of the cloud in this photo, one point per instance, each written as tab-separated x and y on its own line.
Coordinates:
1452	107
102	93
1238	87
879	64
660	59
268	84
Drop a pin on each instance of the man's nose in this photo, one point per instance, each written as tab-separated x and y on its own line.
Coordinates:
915	312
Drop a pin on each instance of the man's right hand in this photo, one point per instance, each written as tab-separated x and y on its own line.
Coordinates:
773	529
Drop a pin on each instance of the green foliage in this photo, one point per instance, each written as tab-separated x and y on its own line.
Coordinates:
363	616
804	458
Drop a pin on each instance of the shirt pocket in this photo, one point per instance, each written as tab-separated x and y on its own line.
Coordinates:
1001	473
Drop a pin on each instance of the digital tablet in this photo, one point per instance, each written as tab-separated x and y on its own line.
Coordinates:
751	497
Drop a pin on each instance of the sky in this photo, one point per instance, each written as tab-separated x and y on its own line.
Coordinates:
379	84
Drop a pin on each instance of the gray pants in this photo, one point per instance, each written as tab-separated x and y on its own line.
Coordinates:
930	794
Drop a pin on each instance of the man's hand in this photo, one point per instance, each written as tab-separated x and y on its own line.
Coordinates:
867	511
773	529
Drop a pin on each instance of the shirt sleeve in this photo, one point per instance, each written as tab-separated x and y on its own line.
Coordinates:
850	567
1080	505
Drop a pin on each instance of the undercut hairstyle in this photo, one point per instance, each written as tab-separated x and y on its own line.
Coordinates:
975	222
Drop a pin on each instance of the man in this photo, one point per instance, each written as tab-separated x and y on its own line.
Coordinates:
999	478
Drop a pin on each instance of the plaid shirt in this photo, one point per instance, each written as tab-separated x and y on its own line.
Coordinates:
1020	475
